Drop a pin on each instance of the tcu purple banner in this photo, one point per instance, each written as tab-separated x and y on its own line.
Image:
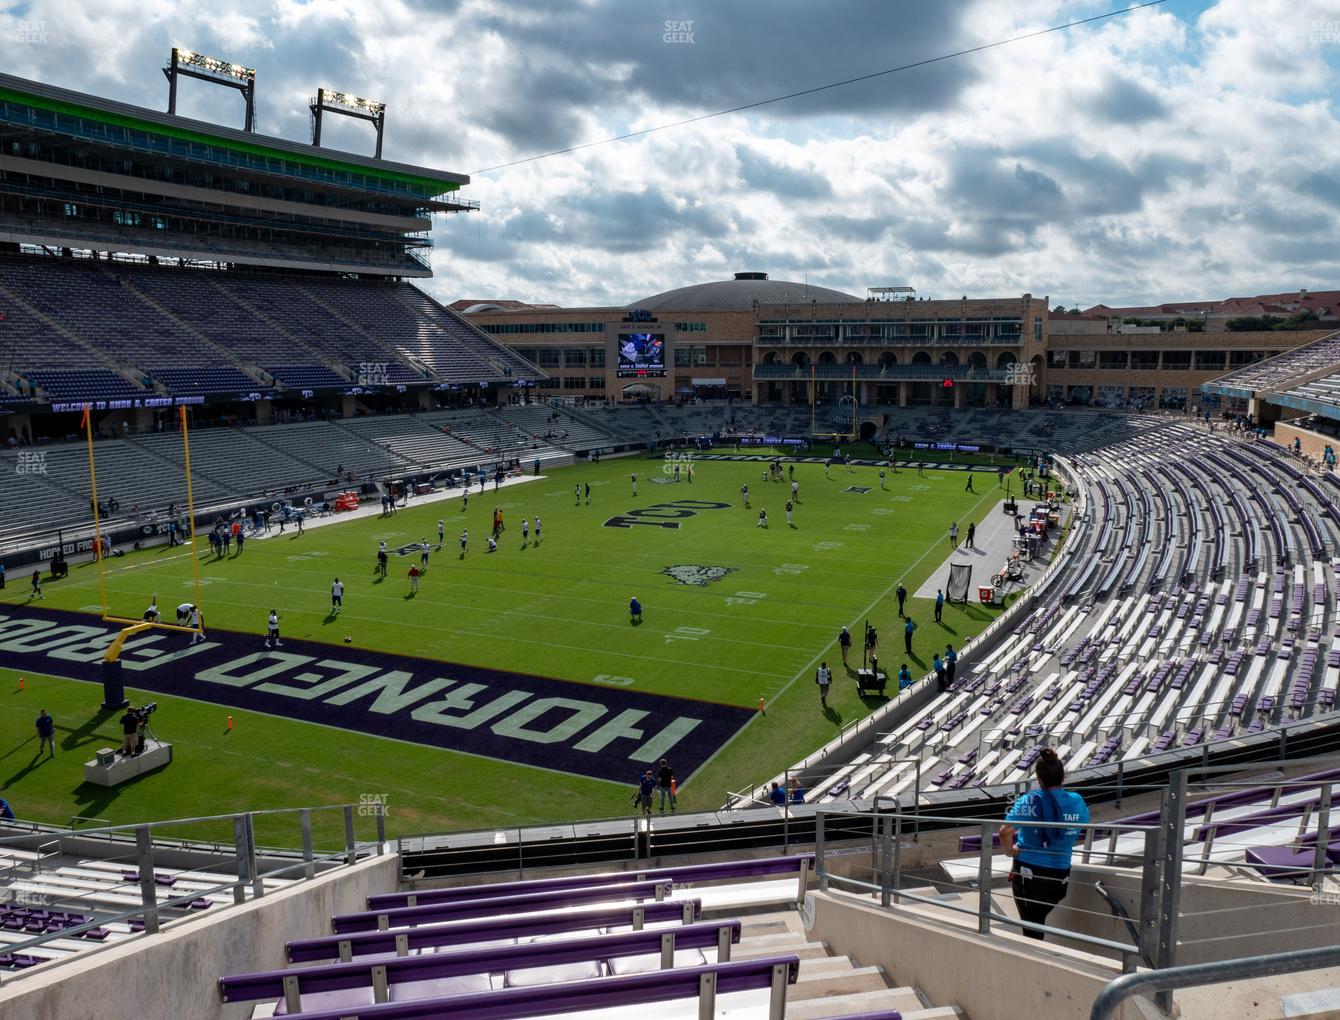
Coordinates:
603	732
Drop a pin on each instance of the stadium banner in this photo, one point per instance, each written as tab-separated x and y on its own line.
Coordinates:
772	440
955	447
603	732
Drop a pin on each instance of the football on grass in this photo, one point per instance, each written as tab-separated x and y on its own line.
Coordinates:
348	638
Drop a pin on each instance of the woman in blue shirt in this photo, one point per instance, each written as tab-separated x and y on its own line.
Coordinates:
1041	871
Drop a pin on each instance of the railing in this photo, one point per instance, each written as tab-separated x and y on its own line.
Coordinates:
1216	972
139	857
1156	845
1158	856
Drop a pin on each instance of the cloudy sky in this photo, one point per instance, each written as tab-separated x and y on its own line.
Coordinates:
1186	150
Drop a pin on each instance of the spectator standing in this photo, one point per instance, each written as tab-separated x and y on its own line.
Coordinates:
1040	875
939	604
908	629
972	535
46	733
646	786
844	642
951	663
272	631
953	535
938	665
130	731
902	597
665	783
823	676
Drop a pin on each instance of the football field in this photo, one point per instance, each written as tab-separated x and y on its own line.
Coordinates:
512	687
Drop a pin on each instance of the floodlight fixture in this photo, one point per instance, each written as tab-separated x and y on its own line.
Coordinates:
213	70
333	101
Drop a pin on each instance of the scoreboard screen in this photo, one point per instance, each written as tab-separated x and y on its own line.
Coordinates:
641	355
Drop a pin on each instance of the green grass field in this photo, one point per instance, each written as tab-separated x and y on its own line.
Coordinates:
557	609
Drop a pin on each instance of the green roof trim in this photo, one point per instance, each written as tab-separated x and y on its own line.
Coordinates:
428	185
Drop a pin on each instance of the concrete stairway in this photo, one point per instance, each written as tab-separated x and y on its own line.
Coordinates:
830	986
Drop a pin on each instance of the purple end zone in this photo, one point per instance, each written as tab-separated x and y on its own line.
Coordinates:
603	732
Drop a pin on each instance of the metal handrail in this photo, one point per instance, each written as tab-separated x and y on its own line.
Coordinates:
245	850
890	873
1169	979
233	884
134	827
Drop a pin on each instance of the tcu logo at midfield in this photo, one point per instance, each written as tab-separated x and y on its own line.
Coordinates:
665	515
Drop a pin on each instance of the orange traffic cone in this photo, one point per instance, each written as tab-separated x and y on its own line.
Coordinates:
762	706
21	684
230	724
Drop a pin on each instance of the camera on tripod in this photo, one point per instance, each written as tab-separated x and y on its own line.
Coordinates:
142	713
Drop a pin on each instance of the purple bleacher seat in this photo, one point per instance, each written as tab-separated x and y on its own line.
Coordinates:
473	930
203	379
628	991
1279	863
422	975
681	875
84	384
486	905
312	377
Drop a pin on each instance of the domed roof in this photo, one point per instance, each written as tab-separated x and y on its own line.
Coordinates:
740	294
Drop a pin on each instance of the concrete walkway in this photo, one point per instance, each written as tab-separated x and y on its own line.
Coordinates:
994	543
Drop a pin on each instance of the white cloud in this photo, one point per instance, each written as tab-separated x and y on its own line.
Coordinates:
1140	158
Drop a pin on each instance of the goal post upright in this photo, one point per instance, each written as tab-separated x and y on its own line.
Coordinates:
190	507
97	513
112	686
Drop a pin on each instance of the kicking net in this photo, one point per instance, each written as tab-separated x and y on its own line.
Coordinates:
960	580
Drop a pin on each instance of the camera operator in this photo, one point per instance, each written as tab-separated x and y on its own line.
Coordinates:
131	740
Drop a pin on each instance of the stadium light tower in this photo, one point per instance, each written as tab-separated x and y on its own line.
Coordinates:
211	69
350	106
